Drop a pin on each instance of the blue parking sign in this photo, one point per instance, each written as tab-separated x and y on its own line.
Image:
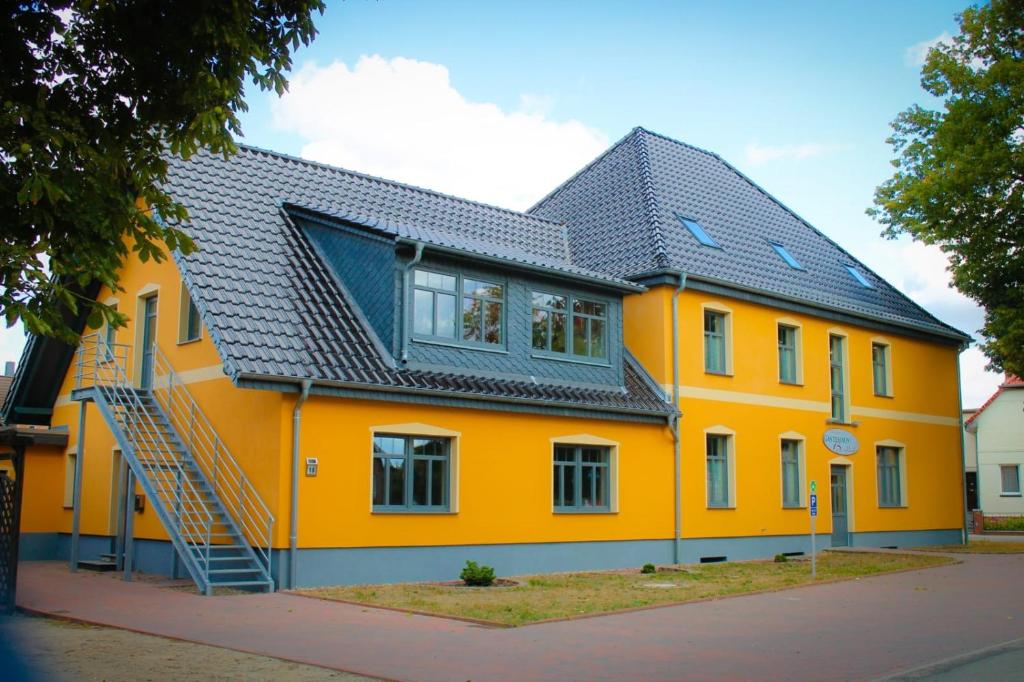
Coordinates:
814	505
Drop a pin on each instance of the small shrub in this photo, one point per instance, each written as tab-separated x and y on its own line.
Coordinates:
477	576
1004	523
648	568
781	558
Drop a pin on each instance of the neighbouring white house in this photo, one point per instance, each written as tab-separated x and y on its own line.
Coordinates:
997	432
970	460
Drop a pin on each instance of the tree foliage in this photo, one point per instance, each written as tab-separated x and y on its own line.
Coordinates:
93	95
959	180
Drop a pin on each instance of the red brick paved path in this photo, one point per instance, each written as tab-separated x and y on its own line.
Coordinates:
858	629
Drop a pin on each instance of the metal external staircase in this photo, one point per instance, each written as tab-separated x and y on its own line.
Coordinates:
220	527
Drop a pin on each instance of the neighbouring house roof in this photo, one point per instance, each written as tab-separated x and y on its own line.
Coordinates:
275	312
1010	382
624	214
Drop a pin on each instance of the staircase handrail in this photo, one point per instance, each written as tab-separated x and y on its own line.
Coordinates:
100	365
223	472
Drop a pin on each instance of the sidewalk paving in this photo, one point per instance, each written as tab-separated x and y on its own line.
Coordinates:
858	629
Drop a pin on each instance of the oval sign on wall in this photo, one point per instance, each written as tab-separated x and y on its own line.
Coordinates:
841	442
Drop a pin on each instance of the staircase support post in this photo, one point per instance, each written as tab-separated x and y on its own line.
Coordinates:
129	525
76	493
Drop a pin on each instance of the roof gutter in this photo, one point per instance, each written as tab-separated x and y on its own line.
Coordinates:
617	285
293	523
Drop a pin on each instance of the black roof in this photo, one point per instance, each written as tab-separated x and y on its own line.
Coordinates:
624	214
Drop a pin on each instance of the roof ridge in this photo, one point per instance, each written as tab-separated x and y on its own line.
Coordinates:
600	157
395	183
650	199
824	236
673	140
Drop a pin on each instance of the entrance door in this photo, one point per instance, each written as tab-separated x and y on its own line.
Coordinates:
971	482
840	527
148	339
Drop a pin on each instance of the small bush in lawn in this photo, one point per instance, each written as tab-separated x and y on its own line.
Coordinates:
477	576
648	568
781	558
1004	523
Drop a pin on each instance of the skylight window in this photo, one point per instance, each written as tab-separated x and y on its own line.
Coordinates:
786	256
855	273
697	231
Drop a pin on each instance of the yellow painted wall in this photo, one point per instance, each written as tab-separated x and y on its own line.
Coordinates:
504	478
758	408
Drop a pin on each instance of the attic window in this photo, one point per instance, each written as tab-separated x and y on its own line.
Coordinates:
786	256
855	273
698	232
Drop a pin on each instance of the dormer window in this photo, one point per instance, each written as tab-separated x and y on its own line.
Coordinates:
454	308
566	324
785	255
856	274
698	232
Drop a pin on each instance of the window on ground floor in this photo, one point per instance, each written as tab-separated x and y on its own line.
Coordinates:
410	473
1009	475
69	478
718	470
791	473
890	492
582	478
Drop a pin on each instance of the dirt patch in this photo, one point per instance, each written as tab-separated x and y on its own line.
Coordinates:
61	650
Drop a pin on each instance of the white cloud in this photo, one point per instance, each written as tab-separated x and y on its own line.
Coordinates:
402	119
977	385
758	154
917	54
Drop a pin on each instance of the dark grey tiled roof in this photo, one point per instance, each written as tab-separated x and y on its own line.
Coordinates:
623	213
274	310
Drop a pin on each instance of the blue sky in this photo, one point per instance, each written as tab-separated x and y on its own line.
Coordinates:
500	101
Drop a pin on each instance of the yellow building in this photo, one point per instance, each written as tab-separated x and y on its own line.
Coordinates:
355	380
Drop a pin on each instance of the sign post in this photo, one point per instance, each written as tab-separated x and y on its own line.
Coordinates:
814	517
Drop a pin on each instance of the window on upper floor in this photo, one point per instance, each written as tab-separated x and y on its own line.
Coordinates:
716	341
1009	478
457	309
881	369
582	478
837	376
785	255
789	339
698	231
564	323
109	340
190	327
411	473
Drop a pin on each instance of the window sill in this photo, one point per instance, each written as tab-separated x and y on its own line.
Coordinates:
893	506
187	342
576	512
574	359
414	512
461	346
717	374
884	395
722	508
794	507
839	422
1009	494
791	383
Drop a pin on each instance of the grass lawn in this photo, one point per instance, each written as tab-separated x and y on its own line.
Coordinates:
978	547
543	597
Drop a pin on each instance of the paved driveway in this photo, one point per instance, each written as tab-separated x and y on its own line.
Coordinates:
859	629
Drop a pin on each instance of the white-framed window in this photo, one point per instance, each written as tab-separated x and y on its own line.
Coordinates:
720	459
190	327
1009	477
717	339
881	368
891	469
